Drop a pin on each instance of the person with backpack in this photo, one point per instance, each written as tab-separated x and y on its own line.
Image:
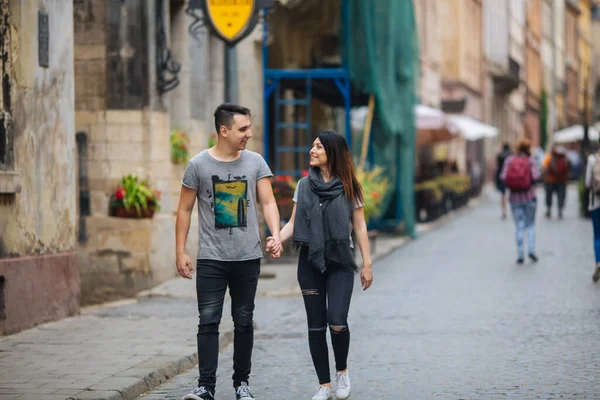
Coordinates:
592	182
556	168
519	175
500	159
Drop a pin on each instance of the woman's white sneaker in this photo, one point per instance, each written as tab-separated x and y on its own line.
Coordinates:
343	385
324	393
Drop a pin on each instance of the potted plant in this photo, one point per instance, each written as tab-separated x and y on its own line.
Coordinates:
179	147
134	199
375	187
428	200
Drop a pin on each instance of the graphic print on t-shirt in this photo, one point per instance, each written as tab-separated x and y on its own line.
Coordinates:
231	202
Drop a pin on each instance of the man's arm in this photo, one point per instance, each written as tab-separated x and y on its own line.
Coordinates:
269	207
187	198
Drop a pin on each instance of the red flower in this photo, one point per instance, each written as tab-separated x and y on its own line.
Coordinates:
305	172
120	194
375	195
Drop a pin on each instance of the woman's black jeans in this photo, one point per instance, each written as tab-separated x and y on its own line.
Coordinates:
212	280
327	301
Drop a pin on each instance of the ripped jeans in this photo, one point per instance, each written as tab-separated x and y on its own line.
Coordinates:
327	301
212	279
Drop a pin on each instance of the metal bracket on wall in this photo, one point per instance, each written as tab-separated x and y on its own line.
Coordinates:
198	25
165	64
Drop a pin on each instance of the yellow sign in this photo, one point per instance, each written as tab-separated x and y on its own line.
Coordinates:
230	18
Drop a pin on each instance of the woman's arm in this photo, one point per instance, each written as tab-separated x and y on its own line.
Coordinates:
360	231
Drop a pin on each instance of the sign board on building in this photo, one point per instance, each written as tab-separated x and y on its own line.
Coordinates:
232	20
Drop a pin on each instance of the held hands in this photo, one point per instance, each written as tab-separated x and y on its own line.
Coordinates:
184	266
366	275
274	247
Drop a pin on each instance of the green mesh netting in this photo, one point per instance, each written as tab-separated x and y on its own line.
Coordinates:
382	55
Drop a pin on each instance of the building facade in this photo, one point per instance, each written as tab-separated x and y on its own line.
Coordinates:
139	75
462	70
502	76
39	279
560	64
534	70
572	62
596	58
429	29
586	60
548	49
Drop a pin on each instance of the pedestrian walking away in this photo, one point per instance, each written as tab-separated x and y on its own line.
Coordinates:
328	207
228	181
556	170
592	181
519	175
500	159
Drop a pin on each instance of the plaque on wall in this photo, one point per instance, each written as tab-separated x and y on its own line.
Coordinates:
43	39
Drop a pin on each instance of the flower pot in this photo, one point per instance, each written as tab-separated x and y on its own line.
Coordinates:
121	212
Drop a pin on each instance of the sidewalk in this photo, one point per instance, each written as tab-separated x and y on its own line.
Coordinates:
121	350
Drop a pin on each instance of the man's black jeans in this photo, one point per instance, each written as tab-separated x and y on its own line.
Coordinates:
212	279
327	301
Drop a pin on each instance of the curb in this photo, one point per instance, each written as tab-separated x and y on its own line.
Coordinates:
147	381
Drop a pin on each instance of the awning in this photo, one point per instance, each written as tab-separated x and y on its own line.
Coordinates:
574	134
469	128
425	117
433	125
429	117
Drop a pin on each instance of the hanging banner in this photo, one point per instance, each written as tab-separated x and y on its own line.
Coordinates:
232	20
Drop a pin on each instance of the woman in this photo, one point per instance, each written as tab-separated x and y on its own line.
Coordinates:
591	182
329	205
519	175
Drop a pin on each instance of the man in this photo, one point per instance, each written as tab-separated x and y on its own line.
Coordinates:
556	169
227	180
500	158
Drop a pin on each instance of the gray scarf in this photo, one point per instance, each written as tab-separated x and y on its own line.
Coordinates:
322	221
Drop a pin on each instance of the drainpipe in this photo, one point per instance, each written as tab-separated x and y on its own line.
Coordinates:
84	188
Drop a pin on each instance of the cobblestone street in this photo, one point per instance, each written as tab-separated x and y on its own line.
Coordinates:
450	316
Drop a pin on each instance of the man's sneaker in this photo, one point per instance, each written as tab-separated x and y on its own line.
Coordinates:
243	392
343	385
324	393
596	275
200	393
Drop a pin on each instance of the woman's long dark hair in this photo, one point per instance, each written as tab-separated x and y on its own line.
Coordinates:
340	164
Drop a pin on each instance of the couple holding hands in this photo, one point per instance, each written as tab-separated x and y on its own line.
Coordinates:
228	182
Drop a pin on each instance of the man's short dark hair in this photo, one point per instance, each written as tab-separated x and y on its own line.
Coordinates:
225	112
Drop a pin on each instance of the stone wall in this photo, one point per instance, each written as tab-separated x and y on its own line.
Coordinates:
38	272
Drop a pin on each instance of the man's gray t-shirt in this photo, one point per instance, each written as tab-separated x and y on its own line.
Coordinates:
227	205
357	204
